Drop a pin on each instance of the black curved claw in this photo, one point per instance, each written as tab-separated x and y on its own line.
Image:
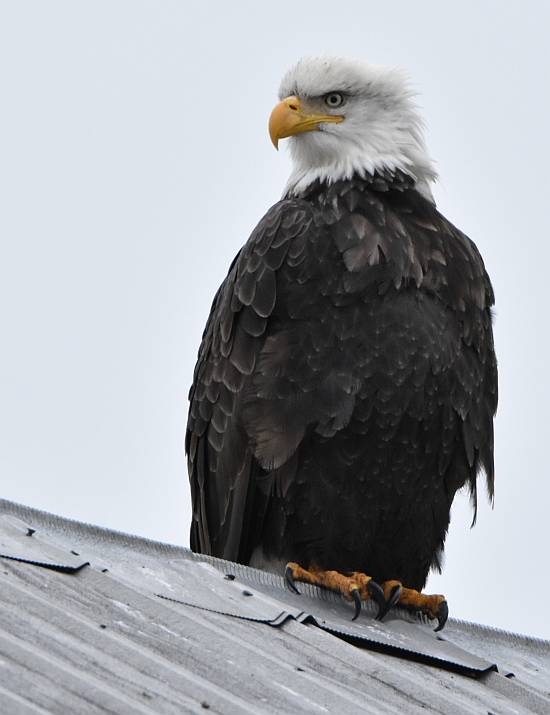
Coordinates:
289	580
377	594
356	601
395	595
442	615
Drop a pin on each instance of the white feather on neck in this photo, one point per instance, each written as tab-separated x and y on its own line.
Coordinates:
382	129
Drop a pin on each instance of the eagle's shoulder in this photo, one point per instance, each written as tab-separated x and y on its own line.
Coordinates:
249	290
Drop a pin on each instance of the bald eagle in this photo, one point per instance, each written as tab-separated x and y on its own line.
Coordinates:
346	383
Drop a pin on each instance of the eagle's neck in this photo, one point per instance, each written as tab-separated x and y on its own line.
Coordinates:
321	157
327	191
301	180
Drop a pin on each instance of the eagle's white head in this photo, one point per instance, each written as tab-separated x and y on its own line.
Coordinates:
345	117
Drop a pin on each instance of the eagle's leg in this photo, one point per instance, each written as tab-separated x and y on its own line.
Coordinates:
433	606
354	586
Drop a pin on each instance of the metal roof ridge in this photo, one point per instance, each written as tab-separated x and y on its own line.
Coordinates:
501	632
46	518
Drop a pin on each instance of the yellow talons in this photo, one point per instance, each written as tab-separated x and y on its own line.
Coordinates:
332	580
355	586
433	606
359	587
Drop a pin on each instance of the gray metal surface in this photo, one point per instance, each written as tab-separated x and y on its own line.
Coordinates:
394	636
100	639
33	549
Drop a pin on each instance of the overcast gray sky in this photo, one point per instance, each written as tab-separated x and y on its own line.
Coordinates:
135	161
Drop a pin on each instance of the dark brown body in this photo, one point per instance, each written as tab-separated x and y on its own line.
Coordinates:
346	385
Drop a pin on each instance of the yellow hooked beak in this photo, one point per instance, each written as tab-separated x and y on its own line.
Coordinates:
288	119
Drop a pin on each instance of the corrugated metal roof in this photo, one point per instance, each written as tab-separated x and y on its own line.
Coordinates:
94	621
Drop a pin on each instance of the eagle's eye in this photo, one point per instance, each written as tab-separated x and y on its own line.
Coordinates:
334	99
